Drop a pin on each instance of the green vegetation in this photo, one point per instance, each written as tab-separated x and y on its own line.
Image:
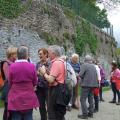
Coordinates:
49	38
87	9
118	51
69	13
66	35
1	102
106	89
85	36
13	8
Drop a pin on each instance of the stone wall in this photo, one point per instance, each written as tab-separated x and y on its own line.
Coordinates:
19	36
41	18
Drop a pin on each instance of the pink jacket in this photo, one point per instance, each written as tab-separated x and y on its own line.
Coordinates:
22	79
115	75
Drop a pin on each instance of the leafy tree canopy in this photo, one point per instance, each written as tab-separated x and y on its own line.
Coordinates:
88	10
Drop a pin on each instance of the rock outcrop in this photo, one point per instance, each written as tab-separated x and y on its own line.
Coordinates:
29	28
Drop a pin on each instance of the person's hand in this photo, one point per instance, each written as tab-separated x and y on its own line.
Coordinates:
42	70
35	88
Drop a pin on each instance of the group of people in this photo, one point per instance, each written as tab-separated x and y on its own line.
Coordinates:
29	86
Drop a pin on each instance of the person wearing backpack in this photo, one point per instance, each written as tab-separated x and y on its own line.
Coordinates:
96	90
74	62
11	54
71	79
56	80
1	79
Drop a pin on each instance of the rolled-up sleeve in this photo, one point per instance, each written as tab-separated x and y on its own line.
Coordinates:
54	71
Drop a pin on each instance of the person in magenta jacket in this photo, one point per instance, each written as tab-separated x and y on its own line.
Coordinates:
22	79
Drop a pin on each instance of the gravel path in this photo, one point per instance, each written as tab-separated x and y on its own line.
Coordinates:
107	111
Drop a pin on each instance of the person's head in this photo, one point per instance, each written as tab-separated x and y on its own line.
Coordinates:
43	54
75	58
64	57
88	59
114	65
23	52
11	53
54	51
96	62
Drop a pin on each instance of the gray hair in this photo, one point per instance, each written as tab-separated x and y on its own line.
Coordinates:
89	59
74	55
56	50
22	52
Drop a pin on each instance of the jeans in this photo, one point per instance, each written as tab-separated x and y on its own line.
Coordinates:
17	115
101	91
96	100
115	92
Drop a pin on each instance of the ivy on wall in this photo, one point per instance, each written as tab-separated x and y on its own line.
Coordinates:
49	38
85	36
13	8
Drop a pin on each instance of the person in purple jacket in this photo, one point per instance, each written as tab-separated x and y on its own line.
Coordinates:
102	74
22	79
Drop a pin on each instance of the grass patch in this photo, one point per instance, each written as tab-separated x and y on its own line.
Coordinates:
106	89
1	103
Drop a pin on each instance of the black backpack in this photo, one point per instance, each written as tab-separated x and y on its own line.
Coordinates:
5	88
1	69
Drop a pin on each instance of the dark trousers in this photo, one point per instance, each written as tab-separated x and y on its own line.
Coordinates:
16	115
115	92
6	116
96	100
42	94
55	111
86	92
101	91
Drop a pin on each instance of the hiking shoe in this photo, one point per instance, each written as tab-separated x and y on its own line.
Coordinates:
83	116
101	100
90	115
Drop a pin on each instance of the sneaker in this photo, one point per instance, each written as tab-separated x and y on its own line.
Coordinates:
102	100
69	108
75	107
95	110
83	116
118	103
90	115
112	101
